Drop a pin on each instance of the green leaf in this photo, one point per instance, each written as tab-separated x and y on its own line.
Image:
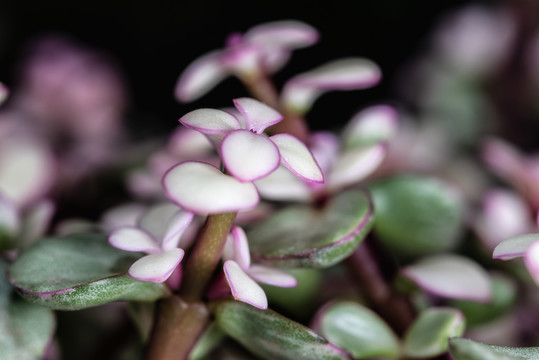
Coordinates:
303	236
79	271
427	337
416	215
25	329
503	297
272	336
465	349
297	300
357	330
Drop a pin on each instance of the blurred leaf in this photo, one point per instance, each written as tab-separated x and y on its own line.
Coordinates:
427	337
299	299
416	215
303	236
272	336
503	296
25	329
212	337
357	330
78	271
465	349
451	276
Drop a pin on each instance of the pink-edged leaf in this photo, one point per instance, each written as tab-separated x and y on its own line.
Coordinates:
283	185
371	125
156	219
531	259
131	238
300	92
258	116
271	276
296	157
514	246
248	156
200	77
343	74
504	214
210	121
36	222
27	170
9	218
175	229
122	215
324	146
243	287
187	143
451	276
356	164
202	189
156	267
288	34
241	248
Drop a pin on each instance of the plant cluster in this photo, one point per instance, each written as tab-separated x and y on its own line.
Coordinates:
249	235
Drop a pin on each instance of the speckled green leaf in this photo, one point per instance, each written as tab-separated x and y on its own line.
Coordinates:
465	349
78	271
416	215
25	329
358	330
304	236
272	336
427	337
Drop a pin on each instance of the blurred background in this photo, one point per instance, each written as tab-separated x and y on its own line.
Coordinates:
150	43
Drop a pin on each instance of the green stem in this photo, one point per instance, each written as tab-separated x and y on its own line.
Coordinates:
205	256
177	328
263	89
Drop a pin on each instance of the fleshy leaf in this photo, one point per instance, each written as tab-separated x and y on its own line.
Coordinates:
25	329
200	77
428	335
302	236
451	276
243	287
210	121
156	267
272	336
288	34
301	92
466	349
203	189
504	294
248	156
370	126
283	185
78	271
175	229
296	157
9	224
35	222
514	246
358	330
130	238
356	164
531	259
417	215
237	248
271	276
258	116
26	171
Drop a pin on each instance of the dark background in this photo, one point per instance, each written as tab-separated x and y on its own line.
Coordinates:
152	41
